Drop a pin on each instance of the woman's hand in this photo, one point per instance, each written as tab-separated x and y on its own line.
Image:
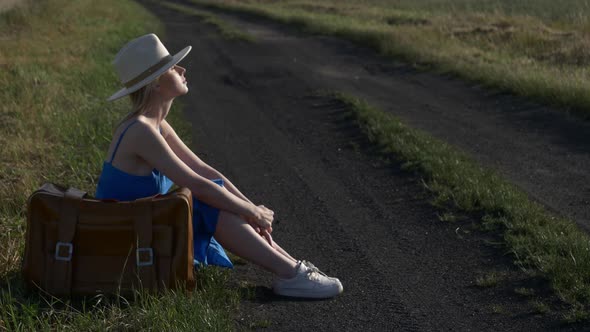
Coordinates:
261	220
262	217
266	235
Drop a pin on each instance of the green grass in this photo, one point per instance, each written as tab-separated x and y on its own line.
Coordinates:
574	11
448	217
539	307
498	309
538	49
206	309
523	291
55	126
488	280
224	29
539	242
261	324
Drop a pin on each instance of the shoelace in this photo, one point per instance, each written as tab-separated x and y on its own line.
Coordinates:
312	267
311	271
312	275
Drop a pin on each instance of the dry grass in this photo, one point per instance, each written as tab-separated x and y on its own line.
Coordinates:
46	85
540	243
55	126
225	30
533	48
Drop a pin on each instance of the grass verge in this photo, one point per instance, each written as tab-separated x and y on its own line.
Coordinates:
224	29
540	243
55	65
518	48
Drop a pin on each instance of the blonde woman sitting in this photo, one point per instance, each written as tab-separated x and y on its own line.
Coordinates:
146	157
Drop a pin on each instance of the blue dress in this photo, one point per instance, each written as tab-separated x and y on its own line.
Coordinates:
117	184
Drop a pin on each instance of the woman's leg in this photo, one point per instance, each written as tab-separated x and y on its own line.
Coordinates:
283	252
237	236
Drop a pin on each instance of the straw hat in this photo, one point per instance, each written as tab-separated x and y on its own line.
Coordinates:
141	61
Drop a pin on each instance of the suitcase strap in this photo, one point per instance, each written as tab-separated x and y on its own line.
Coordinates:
144	253
70	210
69	213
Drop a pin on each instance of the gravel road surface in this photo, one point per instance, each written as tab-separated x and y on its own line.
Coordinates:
358	217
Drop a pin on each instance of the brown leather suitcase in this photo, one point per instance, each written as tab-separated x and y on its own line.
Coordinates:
79	245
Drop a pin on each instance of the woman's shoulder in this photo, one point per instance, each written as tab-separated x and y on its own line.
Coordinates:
138	127
143	139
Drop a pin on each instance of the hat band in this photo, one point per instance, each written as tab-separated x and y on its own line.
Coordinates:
149	71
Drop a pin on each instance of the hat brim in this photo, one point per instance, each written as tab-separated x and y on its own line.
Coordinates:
175	59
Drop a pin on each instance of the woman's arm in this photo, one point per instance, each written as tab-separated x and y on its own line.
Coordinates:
153	148
200	167
195	163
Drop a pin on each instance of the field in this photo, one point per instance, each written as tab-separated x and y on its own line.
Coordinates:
537	49
533	49
56	126
55	75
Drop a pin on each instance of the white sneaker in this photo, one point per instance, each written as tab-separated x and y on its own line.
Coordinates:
314	268
309	282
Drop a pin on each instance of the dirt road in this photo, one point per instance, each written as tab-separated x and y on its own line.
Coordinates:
337	204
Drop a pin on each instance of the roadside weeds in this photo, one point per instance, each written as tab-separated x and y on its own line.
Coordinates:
224	29
56	127
522	52
539	242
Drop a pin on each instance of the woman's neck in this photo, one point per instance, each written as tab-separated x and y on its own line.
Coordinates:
157	111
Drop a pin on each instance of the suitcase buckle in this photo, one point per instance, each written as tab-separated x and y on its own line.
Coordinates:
58	247
143	262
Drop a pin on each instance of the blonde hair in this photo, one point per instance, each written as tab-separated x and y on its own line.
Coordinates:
139	101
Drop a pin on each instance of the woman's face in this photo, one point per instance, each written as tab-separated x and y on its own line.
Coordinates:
173	83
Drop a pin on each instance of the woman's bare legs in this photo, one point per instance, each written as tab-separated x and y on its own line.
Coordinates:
283	252
276	246
237	236
241	238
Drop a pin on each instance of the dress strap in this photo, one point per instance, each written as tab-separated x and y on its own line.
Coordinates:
119	141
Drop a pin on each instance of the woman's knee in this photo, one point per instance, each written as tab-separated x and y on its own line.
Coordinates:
225	215
226	218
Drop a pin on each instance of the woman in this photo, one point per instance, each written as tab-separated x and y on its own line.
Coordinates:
145	147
